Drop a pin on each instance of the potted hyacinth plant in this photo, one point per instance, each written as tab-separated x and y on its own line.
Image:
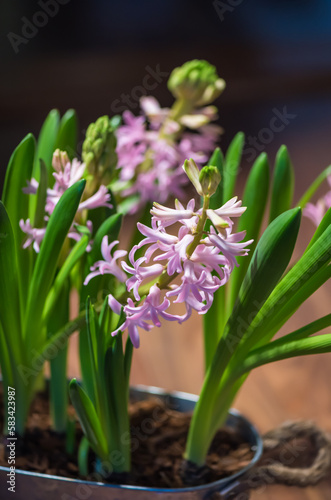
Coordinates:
60	222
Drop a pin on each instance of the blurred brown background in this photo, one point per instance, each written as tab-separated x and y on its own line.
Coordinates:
275	57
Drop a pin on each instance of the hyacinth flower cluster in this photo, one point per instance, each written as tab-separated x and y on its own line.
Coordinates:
66	174
202	258
152	146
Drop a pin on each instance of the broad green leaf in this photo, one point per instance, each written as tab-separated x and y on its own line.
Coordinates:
305	331
58	384
270	259
117	412
301	333
255	199
276	351
10	314
83	457
213	325
45	150
217	160
76	253
231	165
46	142
105	321
93	337
89	419
305	277
282	184
120	393
19	171
46	263
67	135
313	187
128	361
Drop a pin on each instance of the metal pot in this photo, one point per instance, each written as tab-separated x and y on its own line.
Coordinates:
35	486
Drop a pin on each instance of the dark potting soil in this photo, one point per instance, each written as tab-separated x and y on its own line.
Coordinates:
158	441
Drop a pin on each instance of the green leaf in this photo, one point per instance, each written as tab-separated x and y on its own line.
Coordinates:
270	259
46	142
45	150
47	260
67	135
276	351
83	457
19	171
128	362
231	166
117	399
313	187
93	339
282	185
305	277
305	331
213	325
255	199
76	253
120	392
58	384
217	160
10	315
88	419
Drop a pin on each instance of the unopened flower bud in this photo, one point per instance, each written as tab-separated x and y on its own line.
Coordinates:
99	149
196	81
192	173
209	179
60	160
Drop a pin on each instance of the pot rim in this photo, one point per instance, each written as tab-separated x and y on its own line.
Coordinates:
257	448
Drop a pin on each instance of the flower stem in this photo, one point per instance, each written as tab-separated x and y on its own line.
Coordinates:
200	227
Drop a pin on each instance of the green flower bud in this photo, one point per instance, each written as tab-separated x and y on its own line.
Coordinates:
196	81
209	179
192	173
99	149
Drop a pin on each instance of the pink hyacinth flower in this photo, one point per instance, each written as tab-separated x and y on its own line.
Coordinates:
34	235
109	264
